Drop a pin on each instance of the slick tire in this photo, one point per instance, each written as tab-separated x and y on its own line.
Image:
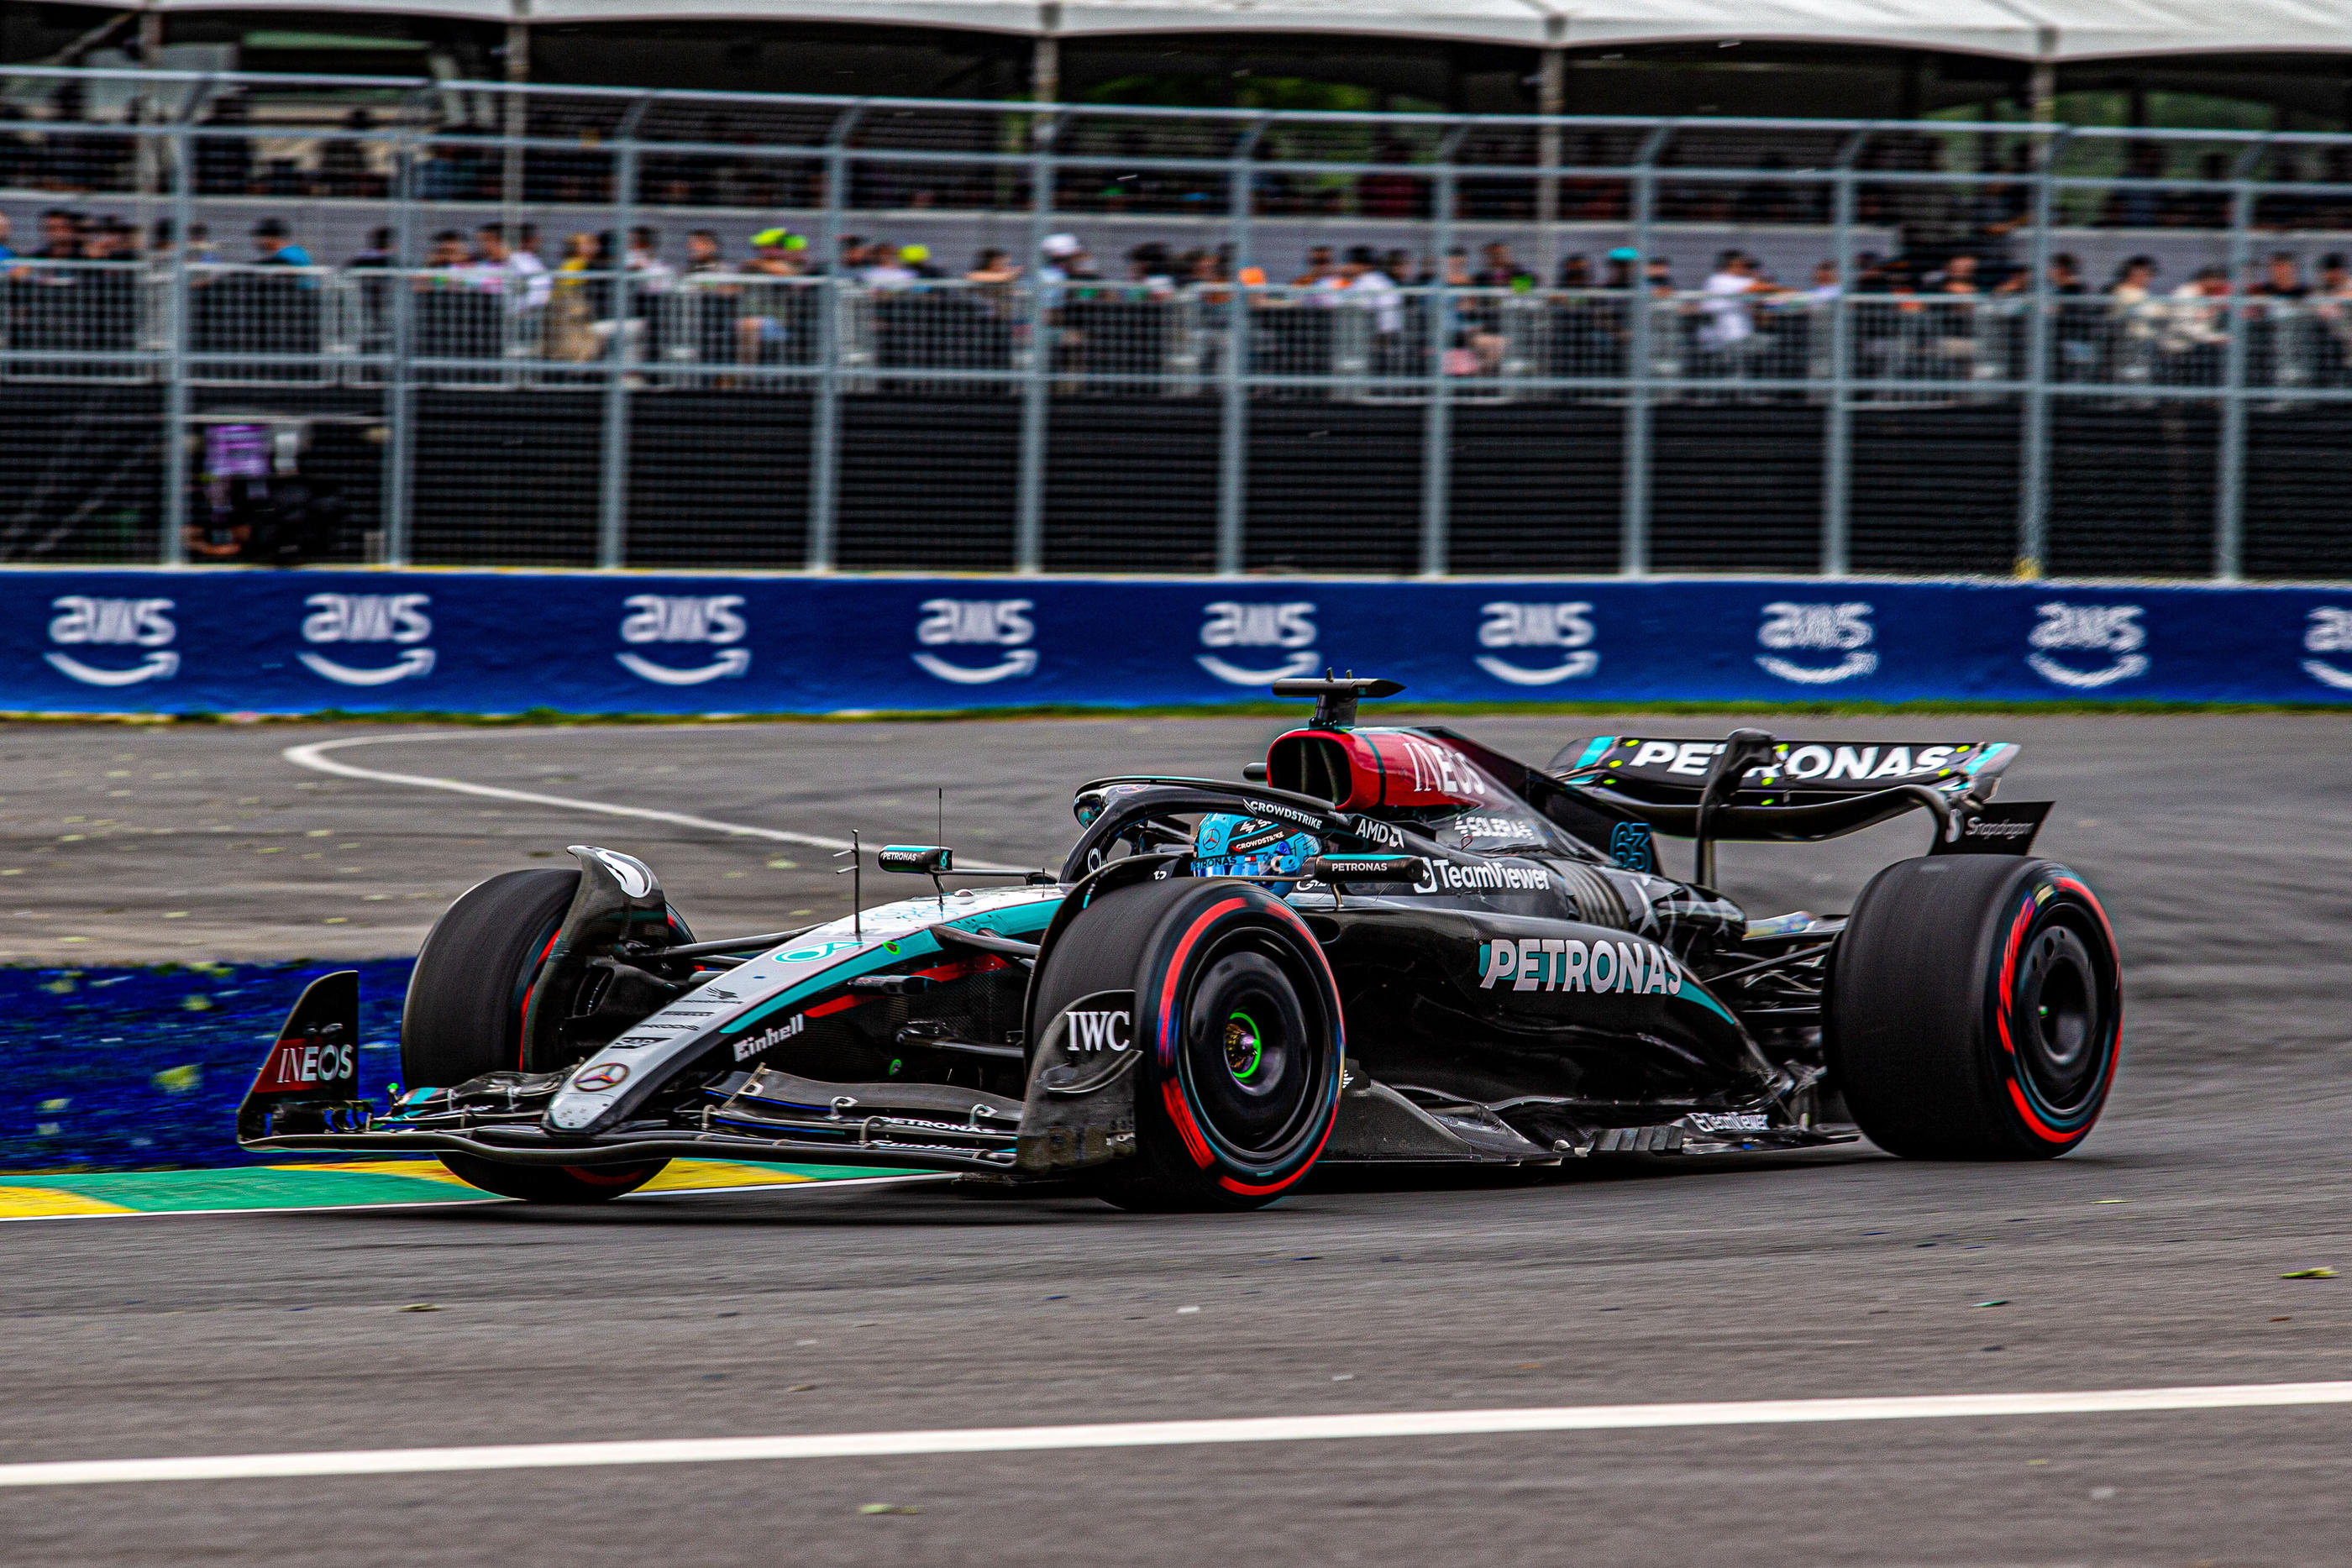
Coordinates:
1975	1008
1238	1020
464	1018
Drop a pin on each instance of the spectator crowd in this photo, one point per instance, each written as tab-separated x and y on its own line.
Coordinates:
519	294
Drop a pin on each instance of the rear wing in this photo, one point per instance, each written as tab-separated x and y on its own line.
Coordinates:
1788	791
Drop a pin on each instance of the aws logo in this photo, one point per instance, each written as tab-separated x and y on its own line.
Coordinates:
113	623
1842	628
1233	624
2329	631
2100	628
978	622
715	619
1565	625
397	618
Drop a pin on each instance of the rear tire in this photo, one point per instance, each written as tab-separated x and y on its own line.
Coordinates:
464	1018
1975	1010
1238	1019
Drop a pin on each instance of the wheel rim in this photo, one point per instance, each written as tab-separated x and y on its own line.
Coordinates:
1249	1055
2060	1020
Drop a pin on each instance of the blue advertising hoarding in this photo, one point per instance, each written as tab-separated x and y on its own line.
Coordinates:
505	642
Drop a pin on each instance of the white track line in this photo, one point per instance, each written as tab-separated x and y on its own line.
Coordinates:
1166	1434
314	757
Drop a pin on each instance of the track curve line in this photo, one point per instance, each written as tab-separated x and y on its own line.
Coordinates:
1166	1434
315	758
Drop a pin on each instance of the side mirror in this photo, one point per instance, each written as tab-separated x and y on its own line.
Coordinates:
1254	771
916	860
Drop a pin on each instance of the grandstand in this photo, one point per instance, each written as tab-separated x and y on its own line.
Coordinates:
2055	287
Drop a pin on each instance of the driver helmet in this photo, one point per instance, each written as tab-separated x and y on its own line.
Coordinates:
1228	844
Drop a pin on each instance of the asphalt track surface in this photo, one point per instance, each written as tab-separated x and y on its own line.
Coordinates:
2150	1259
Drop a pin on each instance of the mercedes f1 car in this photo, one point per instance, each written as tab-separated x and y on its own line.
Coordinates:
1387	944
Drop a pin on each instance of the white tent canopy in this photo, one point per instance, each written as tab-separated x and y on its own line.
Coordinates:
2017	30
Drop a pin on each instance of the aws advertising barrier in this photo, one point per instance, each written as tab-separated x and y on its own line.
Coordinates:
296	642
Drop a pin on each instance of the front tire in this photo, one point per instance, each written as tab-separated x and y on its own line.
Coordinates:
552	1183
1976	1009
1238	1018
464	1018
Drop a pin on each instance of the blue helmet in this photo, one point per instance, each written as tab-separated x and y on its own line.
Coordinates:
1227	843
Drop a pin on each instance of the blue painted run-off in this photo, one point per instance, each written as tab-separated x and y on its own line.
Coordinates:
229	641
112	1067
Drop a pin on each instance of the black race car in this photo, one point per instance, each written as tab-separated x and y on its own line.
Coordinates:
1381	945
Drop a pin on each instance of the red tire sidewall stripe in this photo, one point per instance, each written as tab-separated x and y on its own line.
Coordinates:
1171	1094
2017	1095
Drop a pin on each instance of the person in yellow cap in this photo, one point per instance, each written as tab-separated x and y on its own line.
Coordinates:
917	259
760	329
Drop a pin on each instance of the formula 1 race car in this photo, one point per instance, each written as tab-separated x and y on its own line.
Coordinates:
1382	944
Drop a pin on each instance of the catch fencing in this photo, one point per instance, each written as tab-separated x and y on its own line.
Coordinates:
1928	388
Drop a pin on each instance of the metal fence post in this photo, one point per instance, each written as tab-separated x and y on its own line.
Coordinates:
1634	543
174	542
613	498
824	412
1437	422
2033	439
1837	453
399	389
2230	478
1029	514
1233	435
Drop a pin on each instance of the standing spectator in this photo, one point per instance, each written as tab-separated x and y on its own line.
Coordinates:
1620	261
648	273
992	266
1959	276
1149	268
1501	271
376	255
2197	326
448	266
1729	321
776	253
703	253
1660	274
111	240
2282	277
886	269
916	259
272	248
518	273
61	236
761	329
1575	272
571	311
5	230
1373	289
1319	271
854	257
1825	288
2133	284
